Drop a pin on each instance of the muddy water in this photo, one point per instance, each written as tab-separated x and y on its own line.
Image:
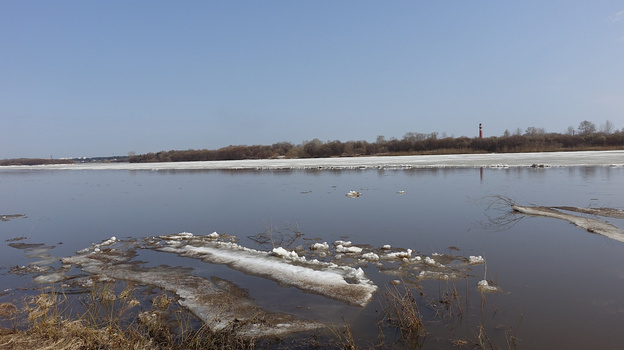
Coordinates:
562	284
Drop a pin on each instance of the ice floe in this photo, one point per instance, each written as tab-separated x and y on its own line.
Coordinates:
320	246
476	260
398	255
342	283
339	275
485	286
590	224
348	249
353	194
370	256
98	246
11	217
219	303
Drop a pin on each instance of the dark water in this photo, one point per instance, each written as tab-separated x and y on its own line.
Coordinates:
564	285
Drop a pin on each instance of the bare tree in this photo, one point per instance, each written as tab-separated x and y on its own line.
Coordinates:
531	130
570	130
415	136
586	128
607	127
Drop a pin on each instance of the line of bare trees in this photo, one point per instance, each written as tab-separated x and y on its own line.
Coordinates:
34	161
586	136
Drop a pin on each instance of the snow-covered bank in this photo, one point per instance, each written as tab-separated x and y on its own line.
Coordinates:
497	160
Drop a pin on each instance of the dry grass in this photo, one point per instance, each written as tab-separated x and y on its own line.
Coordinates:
401	311
344	337
110	317
108	320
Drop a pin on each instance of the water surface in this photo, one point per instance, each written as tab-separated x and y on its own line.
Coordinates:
563	285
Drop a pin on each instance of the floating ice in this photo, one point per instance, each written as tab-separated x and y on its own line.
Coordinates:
370	256
353	194
437	275
279	251
399	255
213	302
430	261
476	260
349	249
320	246
97	246
485	286
181	235
342	283
589	224
219	303
51	278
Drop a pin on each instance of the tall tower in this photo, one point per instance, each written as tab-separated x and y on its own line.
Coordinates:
480	131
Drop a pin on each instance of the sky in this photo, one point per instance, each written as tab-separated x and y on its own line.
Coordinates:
103	78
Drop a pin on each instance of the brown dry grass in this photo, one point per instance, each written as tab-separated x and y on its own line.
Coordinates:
106	320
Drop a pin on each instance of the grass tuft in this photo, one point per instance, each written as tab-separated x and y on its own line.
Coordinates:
402	312
109	320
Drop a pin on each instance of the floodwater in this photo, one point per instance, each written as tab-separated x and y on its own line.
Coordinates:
562	286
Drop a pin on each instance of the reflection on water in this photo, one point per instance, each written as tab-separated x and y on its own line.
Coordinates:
554	273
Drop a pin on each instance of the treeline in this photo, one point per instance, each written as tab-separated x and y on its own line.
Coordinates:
34	161
534	140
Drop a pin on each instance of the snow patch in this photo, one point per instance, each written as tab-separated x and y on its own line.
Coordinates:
320	246
476	260
350	249
399	255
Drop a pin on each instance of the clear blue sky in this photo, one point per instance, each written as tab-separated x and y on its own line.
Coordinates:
99	78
